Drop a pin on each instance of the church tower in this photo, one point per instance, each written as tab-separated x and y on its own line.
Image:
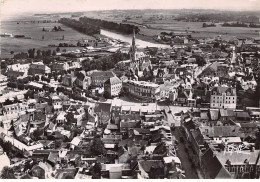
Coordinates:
133	48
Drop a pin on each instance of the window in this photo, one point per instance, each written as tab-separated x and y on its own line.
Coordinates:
251	169
241	169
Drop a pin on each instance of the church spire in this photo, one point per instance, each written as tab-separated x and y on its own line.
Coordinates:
133	41
133	48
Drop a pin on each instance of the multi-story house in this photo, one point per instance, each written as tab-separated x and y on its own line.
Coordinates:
60	66
223	97
68	80
98	78
241	164
82	80
38	68
103	110
142	90
18	67
113	87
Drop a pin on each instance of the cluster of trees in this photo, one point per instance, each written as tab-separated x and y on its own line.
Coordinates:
104	63
21	55
57	29
32	53
6	62
122	28
54	29
79	26
237	24
252	25
218	17
204	25
97	146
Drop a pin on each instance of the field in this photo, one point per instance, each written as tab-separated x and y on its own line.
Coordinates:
153	24
34	30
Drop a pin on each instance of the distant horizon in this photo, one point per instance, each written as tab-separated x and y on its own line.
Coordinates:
11	16
17	7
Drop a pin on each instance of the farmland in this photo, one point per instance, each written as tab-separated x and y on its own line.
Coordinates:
34	30
155	22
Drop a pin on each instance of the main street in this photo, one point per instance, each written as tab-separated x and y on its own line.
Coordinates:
186	163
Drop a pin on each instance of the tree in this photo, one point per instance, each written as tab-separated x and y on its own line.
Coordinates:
97	146
58	143
57	49
37	78
70	118
39	53
64	50
37	134
54	53
38	172
31	53
48	52
7	173
96	170
11	52
60	89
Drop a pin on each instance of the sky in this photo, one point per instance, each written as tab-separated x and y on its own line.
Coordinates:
12	7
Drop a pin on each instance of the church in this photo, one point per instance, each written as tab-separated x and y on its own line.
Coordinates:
138	62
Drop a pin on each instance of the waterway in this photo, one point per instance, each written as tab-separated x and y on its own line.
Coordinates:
128	39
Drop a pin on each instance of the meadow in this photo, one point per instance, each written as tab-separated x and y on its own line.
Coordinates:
34	30
152	24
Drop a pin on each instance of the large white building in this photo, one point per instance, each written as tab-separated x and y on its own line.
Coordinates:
145	91
223	97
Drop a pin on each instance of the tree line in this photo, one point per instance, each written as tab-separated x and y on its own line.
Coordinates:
118	27
92	26
79	26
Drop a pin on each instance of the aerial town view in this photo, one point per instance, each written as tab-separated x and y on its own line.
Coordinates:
138	89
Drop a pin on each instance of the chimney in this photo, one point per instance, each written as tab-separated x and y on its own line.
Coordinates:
252	149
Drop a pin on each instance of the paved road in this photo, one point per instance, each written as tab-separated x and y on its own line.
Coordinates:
183	156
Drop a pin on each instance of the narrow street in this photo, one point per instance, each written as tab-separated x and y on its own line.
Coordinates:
190	172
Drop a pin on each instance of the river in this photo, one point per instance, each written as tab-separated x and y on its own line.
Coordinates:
128	39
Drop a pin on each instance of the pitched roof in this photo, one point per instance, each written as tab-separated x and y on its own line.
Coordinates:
104	107
103	73
130	124
221	90
54	157
238	158
113	80
242	114
198	136
147	165
213	166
